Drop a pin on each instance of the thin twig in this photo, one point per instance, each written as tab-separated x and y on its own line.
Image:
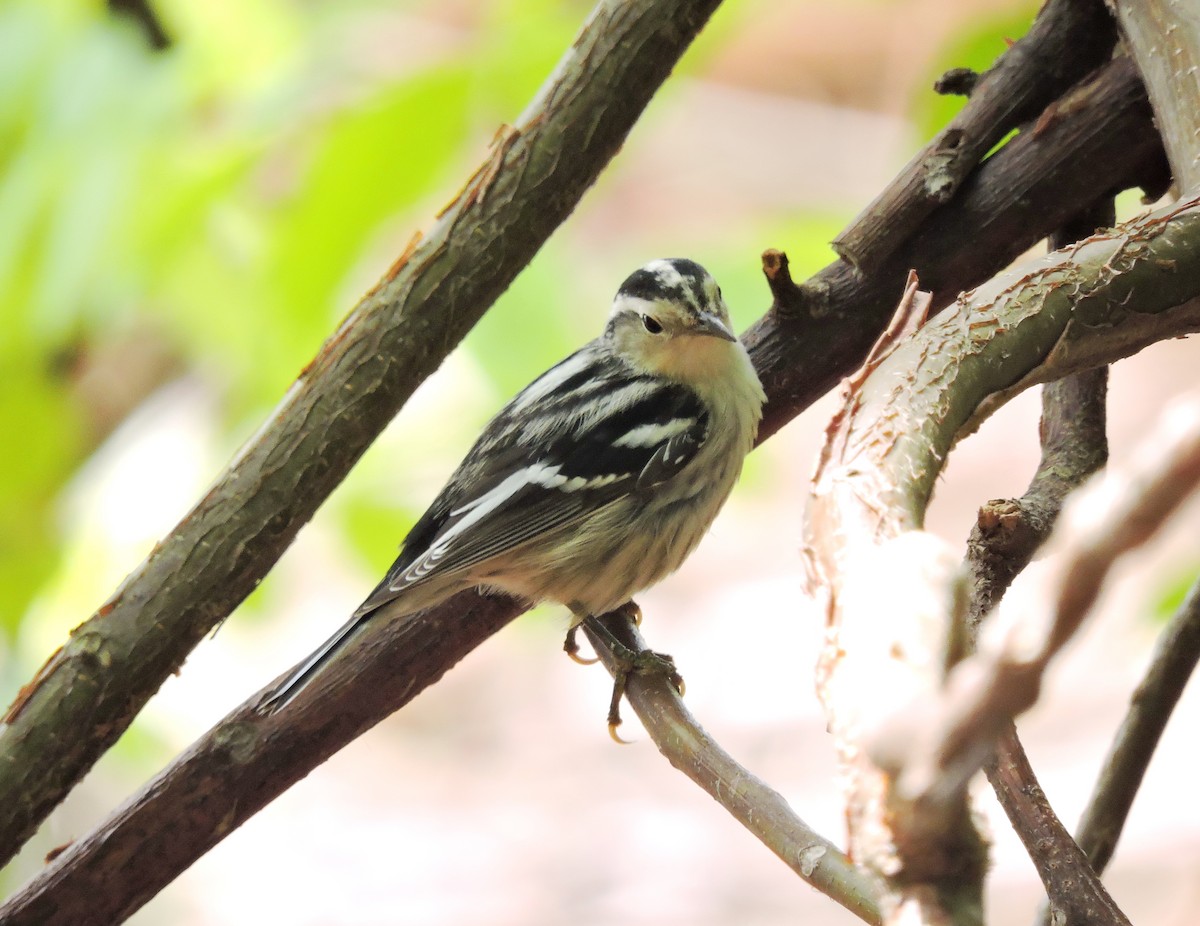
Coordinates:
1172	664
758	807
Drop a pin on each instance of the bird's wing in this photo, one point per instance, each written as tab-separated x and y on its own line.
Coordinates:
550	457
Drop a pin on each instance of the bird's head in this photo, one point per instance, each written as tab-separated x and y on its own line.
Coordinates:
668	318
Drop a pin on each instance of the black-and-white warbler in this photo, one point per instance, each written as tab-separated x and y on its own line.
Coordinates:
599	478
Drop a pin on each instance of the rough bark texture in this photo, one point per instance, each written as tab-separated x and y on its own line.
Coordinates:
1164	38
818	331
226	777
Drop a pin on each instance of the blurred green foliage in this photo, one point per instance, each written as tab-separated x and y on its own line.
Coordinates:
1174	593
233	195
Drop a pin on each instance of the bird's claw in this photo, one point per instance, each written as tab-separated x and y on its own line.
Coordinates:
632	662
571	648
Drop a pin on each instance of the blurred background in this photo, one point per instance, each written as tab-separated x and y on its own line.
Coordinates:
180	229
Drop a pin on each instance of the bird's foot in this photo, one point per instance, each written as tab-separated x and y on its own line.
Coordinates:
630	662
630	609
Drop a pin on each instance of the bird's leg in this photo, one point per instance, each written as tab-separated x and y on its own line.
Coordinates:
629	662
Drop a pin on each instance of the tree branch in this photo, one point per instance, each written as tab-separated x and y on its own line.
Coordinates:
891	590
1113	514
758	807
1069	39
243	763
1003	542
1001	545
1173	662
1008	531
800	349
1074	891
1164	38
821	331
90	690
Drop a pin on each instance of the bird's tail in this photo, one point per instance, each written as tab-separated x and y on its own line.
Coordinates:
298	680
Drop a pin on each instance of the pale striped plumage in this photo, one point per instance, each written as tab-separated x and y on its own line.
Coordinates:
597	479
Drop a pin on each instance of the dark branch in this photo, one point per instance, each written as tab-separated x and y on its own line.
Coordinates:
245	762
1025	191
1073	447
1150	708
1069	39
1074	890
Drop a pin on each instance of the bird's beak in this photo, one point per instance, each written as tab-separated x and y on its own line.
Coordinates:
710	324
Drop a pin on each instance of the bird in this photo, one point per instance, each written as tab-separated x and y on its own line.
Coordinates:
595	481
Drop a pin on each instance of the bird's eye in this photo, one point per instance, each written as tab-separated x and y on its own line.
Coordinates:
651	324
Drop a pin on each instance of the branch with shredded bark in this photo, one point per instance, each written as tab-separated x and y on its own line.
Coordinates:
1114	513
892	592
1068	39
91	689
